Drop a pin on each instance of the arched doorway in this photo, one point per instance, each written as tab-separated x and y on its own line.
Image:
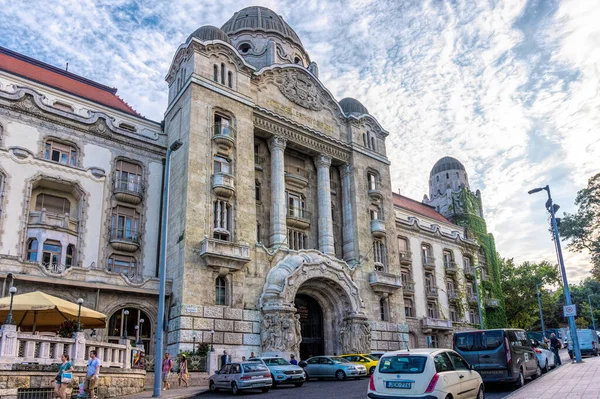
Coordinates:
311	324
136	317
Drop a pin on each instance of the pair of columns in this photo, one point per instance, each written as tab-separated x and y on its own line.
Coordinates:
279	206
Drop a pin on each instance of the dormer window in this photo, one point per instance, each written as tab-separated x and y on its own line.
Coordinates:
245	48
61	153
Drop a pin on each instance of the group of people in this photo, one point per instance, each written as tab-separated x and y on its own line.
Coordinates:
66	368
183	373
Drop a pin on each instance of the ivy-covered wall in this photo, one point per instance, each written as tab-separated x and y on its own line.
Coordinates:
465	209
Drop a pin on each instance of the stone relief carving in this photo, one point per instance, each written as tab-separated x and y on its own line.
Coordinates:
355	336
280	332
299	89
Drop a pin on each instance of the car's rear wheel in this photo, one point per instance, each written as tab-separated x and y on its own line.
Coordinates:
306	377
234	388
546	367
212	387
340	375
481	393
372	370
298	384
521	380
273	383
265	389
538	372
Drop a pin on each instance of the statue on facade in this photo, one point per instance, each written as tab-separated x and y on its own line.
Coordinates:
290	336
355	336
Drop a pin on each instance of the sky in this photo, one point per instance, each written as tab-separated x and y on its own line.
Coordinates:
510	88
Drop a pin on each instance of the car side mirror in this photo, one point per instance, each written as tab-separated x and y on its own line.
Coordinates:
217	372
302	364
472	367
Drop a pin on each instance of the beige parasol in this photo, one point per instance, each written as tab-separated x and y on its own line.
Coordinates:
38	310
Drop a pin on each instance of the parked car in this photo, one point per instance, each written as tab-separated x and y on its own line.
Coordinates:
376	355
502	355
588	342
282	371
241	376
332	367
544	355
369	362
425	373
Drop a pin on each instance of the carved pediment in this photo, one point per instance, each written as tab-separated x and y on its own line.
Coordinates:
300	89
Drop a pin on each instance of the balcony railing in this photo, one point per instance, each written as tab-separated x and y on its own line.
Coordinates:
431	292
223	184
429	262
378	228
224	135
450	267
383	282
453	296
56	220
125	239
298	217
129	192
430	323
409	287
224	255
405	258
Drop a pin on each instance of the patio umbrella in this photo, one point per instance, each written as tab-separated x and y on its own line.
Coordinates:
38	310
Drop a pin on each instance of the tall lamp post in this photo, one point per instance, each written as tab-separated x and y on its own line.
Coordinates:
126	313
212	335
552	208
162	275
79	302
478	298
137	333
9	318
592	312
141	331
537	290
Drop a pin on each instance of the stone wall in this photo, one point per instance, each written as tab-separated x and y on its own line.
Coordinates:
388	336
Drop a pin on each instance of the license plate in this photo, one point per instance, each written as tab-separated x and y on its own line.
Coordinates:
490	372
397	384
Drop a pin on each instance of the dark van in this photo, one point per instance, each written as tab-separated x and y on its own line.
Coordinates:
503	355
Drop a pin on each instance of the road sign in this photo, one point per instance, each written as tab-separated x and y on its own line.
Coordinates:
570	310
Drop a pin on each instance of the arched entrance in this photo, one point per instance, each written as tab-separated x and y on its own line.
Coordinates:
118	324
311	325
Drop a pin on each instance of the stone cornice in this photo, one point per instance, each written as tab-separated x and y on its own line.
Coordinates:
435	230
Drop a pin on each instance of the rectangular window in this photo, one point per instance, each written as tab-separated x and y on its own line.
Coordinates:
453	313
432	310
128	176
409	310
61	153
52	204
222	125
122	265
125	223
222	214
51	253
372	180
222	165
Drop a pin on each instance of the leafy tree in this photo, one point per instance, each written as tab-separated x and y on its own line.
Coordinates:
518	285
583	227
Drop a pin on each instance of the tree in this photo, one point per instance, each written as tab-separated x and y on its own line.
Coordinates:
518	285
583	227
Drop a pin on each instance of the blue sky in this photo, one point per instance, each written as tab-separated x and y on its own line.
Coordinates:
510	88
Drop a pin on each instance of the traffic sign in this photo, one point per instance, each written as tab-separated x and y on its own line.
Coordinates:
570	310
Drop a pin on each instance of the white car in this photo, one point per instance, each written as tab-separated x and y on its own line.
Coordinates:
426	374
545	358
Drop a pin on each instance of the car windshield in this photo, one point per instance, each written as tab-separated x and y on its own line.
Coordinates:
339	360
251	367
405	364
276	361
370	357
478	340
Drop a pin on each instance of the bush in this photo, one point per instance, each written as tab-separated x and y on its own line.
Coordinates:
68	328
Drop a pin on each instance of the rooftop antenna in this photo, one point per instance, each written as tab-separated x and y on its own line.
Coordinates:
67	67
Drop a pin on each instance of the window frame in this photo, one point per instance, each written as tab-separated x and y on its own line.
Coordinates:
220	291
51	253
128	184
117	261
52	144
32	251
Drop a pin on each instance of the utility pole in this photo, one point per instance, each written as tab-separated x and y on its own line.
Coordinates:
537	289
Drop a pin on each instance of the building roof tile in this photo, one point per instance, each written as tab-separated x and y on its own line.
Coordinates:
418	207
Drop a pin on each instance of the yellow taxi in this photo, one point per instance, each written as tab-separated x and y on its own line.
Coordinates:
366	360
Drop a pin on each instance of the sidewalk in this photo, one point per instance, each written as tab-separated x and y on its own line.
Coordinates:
181	393
571	380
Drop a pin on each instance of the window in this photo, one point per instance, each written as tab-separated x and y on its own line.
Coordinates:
409	310
442	361
453	314
118	324
52	204
32	248
447	175
372	181
470	290
373	143
429	282
244	48
257	190
402	364
473	316
457	175
70	258
222	126
467	262
432	310
125	223
434	343
61	153
450	287
402	244
297	60
220	291
122	265
405	277
222	220
128	127
216	73
222	73
222	165
379	255
448	258
128	176
230	79
364	139
51	252
426	252
374	213
383	309
63	106
296	205
437	179
297	240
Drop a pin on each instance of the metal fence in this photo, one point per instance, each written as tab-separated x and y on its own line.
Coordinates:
35	393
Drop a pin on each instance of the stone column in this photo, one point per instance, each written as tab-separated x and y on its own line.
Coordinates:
323	162
347	214
8	346
278	202
78	353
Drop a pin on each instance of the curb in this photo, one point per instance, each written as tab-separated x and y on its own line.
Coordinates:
513	393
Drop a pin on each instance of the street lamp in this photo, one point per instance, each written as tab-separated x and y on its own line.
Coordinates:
592	313
212	335
162	275
478	299
552	208
126	313
537	289
141	330
137	333
79	302
9	318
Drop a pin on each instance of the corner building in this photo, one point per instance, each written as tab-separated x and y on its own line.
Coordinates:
281	220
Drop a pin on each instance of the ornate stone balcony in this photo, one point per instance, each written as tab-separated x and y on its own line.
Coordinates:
383	282
429	263
431	293
45	219
469	272
375	191
406	258
409	287
131	193
492	303
223	184
223	136
378	228
450	267
428	324
298	217
296	177
127	240
453	296
224	255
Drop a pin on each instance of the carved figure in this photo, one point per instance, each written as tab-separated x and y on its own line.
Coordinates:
300	90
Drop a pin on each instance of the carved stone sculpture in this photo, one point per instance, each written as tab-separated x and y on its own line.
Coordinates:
280	332
299	89
355	336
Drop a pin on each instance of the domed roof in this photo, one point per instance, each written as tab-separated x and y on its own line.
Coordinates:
260	19
446	163
352	106
209	32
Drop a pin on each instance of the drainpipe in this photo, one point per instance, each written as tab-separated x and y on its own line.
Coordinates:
162	190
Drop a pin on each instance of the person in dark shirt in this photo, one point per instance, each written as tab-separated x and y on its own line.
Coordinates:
555	346
293	360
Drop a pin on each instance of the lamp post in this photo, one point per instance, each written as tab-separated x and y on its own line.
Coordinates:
478	298
126	313
212	335
552	208
162	275
137	333
79	302
141	331
592	313
537	290
9	318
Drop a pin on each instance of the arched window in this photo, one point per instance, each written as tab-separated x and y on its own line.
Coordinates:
117	325
426	253
230	79
365	139
220	291
65	154
222	73
297	60
437	179
216	73
70	258
384	310
32	250
373	181
373	143
222	125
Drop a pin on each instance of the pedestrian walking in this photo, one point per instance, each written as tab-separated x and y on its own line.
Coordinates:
555	346
60	389
293	360
92	375
167	367
225	359
252	355
183	374
243	358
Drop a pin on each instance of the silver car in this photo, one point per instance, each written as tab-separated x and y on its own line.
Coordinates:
332	367
241	376
282	371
